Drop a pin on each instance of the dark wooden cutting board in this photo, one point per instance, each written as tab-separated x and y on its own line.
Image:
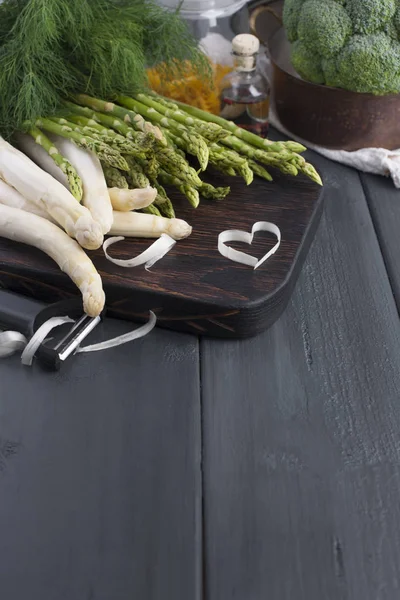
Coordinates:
194	288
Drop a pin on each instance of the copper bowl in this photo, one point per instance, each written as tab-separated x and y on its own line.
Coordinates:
326	116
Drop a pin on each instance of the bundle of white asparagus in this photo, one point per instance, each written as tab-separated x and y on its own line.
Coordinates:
37	207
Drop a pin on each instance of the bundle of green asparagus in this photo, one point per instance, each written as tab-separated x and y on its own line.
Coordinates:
146	140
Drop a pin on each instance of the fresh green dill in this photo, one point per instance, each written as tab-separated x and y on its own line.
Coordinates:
51	49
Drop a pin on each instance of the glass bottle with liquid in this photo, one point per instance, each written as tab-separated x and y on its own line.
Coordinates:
245	93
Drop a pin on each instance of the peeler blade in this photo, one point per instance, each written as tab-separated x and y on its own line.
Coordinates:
54	357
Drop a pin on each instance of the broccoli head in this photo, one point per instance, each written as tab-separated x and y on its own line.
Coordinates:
370	64
291	14
352	44
368	16
307	63
324	27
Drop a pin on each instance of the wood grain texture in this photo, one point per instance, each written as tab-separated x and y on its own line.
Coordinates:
100	491
194	288
301	430
384	204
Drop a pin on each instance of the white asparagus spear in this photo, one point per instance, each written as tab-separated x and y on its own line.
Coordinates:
132	224
88	167
21	226
128	224
27	144
39	187
11	197
125	200
95	192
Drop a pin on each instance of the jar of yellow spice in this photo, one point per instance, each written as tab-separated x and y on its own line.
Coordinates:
210	22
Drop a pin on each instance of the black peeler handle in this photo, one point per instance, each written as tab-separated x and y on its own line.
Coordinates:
19	313
23	314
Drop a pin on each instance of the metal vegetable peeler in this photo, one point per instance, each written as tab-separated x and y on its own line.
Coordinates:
26	315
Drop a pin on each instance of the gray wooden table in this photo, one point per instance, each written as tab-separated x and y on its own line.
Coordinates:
183	469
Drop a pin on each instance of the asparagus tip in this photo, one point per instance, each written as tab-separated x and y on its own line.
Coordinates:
179	229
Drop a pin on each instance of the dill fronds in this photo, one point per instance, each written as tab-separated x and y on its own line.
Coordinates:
51	49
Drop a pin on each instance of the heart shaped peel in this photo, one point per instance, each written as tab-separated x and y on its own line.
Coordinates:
236	235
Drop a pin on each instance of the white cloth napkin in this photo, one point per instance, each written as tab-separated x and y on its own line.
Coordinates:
369	160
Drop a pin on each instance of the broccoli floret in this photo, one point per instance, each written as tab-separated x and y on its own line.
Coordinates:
329	68
368	16
307	63
391	31
291	14
396	20
370	64
324	27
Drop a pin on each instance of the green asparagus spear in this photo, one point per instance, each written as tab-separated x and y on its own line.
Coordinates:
174	164
243	134
152	210
294	146
173	145
214	193
226	170
228	159
210	131
311	172
81	121
109	121
272	159
150	166
163	203
102	150
136	173
195	143
259	170
74	181
162	100
140	143
187	190
131	118
114	177
108	136
181	143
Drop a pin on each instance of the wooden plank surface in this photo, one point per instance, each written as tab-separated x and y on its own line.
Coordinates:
301	430
100	490
384	204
